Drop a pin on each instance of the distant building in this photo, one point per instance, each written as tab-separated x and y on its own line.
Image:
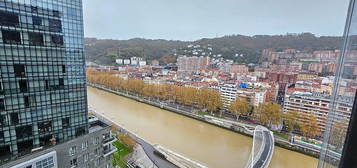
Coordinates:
155	63
192	64
126	61
119	61
135	60
326	67
306	75
238	69
142	63
326	55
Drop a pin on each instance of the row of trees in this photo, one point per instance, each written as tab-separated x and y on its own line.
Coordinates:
267	114
201	98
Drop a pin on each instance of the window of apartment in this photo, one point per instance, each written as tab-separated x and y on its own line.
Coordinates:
14	118
23	86
27	101
63	69
96	140
47	85
72	150
36	39
2	120
73	162
86	157
4	151
96	151
44	127
45	140
2	104
25	146
8	19
65	122
57	40
19	70
47	162
24	131
80	131
84	145
56	13
96	162
61	82
11	37
55	25
1	87
36	20
34	9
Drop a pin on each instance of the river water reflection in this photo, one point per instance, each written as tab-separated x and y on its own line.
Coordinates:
213	146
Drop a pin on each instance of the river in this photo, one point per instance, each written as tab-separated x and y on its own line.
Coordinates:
210	145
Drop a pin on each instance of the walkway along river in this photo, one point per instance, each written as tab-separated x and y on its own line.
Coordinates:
208	144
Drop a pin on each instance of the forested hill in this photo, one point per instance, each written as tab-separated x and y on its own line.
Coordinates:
105	51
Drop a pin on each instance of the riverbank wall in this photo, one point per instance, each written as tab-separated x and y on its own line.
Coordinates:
278	141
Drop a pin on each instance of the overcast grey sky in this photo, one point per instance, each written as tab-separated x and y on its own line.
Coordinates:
195	19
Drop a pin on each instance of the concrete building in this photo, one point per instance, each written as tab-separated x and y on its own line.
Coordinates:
119	61
255	96
232	92
126	61
318	105
93	150
142	63
234	68
192	64
326	67
155	63
228	94
326	55
307	75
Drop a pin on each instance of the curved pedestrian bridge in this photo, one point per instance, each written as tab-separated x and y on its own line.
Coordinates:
262	149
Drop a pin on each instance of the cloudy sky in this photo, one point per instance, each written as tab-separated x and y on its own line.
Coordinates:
195	19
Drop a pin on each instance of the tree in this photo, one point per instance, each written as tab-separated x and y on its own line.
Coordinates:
269	113
338	134
309	127
239	107
290	120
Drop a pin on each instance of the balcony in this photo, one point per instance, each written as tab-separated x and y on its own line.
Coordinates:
108	150
109	140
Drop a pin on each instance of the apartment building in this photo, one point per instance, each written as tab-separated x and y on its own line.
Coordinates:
231	92
93	150
317	104
192	64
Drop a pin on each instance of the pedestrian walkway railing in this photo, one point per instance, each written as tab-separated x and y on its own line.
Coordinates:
262	148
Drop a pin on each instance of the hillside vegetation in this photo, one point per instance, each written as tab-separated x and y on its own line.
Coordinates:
104	51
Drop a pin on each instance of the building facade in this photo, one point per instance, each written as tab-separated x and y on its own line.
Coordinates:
93	150
317	104
43	91
231	92
192	64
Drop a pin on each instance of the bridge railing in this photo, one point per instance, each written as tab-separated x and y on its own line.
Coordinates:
262	148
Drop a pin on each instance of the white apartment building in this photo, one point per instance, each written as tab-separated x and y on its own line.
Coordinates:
230	92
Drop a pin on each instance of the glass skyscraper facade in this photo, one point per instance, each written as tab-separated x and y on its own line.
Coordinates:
42	83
